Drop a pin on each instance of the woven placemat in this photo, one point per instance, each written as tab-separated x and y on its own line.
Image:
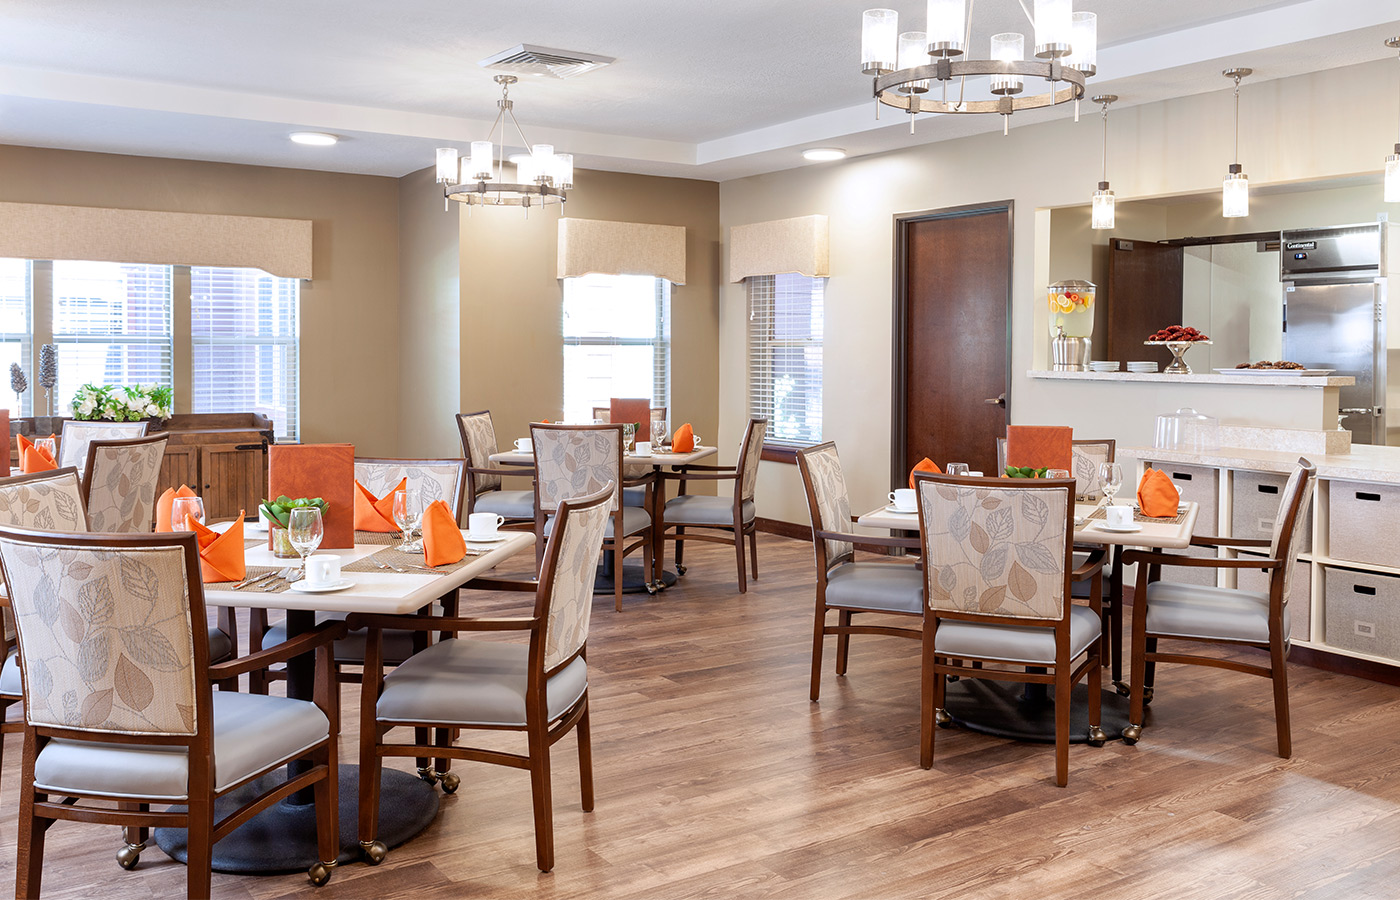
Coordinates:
1139	517
254	572
408	562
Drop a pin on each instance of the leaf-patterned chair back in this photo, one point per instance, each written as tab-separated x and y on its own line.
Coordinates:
434	479
750	453
995	548
574	461
827	501
50	501
73	443
121	487
478	443
579	533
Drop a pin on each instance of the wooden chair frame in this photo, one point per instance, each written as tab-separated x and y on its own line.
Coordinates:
484	467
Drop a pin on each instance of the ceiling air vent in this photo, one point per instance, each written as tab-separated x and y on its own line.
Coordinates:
529	59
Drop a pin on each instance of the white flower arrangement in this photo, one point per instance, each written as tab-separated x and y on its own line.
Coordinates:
118	403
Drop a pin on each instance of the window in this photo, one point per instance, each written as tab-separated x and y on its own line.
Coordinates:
617	341
243	331
785	356
15	344
112	325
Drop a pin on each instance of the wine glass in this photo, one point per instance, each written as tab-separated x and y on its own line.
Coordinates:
47	443
408	513
659	437
629	433
1110	480
182	510
956	468
304	530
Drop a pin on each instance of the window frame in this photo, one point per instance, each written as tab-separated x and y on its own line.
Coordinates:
776	450
659	341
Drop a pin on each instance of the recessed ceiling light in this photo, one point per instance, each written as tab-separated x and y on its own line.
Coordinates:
824	154
313	138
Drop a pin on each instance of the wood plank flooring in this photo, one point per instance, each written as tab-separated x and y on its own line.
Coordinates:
717	778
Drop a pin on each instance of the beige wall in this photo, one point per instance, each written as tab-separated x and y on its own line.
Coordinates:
1159	149
349	311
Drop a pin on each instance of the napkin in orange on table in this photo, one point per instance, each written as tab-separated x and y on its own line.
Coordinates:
163	506
442	539
923	465
1040	446
34	459
683	441
1157	496
376	513
220	555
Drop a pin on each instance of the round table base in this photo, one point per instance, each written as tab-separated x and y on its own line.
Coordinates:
1001	708
635	579
283	838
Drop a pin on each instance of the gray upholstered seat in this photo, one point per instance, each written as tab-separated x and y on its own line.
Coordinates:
468	682
1009	643
699	509
1176	609
220	645
511	504
349	650
634	520
634	496
892	587
11	685
252	732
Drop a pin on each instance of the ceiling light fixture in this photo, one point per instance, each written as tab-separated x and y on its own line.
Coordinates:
1101	215
824	154
541	177
313	138
905	65
1392	162
1235	191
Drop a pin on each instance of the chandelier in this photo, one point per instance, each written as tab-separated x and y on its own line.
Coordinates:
905	65
541	176
1234	196
1392	162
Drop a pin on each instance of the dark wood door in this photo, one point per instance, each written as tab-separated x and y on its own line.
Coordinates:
1144	295
234	478
952	340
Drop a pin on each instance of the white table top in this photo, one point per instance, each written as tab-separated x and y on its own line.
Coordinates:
373	592
1153	534
524	458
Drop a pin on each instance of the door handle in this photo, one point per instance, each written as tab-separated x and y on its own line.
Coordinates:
999	400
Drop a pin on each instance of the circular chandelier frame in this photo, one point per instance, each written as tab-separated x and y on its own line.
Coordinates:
887	86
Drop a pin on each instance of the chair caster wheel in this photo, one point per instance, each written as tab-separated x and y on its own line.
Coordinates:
373	852
1147	695
941	718
1096	736
428	775
319	874
680	569
129	856
1132	734
450	782
1122	689
651	588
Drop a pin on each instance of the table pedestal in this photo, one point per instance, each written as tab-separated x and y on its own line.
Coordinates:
635	577
1008	709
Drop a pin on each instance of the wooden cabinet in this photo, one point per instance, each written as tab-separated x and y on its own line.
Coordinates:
222	456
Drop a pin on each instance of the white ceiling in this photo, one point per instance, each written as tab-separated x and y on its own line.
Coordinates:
715	89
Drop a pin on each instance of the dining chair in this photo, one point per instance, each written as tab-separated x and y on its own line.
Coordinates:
733	516
485	491
997	564
637	478
119	483
1178	611
137	723
539	687
891	587
77	434
572	460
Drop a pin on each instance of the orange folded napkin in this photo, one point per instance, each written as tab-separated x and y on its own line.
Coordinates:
1157	496
376	513
163	506
442	539
34	459
683	441
1040	446
923	465
221	555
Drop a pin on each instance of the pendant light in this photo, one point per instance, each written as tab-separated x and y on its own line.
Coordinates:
1102	213
1392	162
1235	193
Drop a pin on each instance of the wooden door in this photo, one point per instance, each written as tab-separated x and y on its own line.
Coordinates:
234	478
1144	295
179	465
952	337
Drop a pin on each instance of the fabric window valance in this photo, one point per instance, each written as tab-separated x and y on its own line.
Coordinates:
621	248
784	245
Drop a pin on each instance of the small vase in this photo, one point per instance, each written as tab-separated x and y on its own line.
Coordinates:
282	544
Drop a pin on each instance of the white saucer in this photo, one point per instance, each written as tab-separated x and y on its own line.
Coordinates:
255	527
903	512
1129	529
304	588
486	539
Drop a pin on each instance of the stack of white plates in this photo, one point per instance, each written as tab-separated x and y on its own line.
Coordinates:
1101	365
1142	366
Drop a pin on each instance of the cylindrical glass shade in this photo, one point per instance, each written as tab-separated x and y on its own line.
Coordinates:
447	165
1235	198
525	168
1102	215
879	33
542	155
564	170
1084	35
483	161
1007	47
913	51
1053	29
947	24
1392	176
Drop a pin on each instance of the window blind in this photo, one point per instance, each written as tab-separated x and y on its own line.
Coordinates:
112	325
16	288
244	330
785	356
617	341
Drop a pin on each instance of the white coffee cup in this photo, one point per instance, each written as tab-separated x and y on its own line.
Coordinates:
973	474
483	525
643	448
322	569
525	444
903	499
1118	516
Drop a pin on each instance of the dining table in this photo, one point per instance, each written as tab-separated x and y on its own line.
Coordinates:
635	578
283	837
1027	711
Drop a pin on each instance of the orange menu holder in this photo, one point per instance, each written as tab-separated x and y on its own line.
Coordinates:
634	410
317	470
1040	446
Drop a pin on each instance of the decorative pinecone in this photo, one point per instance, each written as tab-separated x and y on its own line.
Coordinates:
18	382
48	366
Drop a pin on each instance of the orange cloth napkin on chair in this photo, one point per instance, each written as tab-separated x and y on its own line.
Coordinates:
163	506
1157	496
923	465
442	539
221	555
683	441
1040	446
376	513
34	459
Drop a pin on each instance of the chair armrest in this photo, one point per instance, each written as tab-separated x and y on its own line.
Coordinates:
694	467
1091	565
502	584
515	471
441	623
847	537
1155	558
704	476
1207	540
323	634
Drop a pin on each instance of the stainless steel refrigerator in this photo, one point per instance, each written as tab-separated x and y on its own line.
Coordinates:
1335	317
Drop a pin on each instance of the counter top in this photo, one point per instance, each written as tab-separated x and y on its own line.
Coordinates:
1298	381
1365	462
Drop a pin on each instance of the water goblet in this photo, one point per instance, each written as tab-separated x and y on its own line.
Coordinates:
304	530
182	510
957	468
629	433
49	444
1110	480
408	512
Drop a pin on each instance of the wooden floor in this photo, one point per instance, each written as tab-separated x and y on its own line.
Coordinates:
717	778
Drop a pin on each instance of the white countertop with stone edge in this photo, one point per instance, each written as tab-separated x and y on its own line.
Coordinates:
1298	381
1365	462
